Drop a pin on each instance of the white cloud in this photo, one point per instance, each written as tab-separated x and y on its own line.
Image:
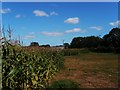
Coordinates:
64	32
74	20
53	13
4	11
98	28
117	23
30	36
52	33
74	30
40	13
18	16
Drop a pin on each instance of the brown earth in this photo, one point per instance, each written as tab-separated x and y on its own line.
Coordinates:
85	71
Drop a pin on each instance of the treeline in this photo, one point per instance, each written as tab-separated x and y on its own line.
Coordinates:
37	44
109	42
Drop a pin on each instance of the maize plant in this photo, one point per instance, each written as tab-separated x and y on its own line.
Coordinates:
29	70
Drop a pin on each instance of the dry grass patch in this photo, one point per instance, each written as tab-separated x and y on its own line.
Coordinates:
91	70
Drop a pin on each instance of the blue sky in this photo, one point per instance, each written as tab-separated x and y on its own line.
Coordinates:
60	1
51	23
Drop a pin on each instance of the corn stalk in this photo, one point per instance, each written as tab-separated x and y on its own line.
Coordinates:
28	68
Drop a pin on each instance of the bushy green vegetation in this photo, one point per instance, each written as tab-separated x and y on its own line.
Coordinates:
25	69
63	84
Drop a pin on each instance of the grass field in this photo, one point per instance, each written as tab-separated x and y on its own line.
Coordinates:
91	70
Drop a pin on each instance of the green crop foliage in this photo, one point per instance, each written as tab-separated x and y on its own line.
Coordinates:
29	68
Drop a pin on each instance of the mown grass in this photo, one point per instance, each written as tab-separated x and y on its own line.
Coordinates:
102	62
75	52
100	69
99	63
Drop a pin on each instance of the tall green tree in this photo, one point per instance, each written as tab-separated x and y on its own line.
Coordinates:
66	45
34	44
113	38
85	42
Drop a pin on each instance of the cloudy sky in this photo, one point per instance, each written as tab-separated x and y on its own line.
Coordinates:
51	23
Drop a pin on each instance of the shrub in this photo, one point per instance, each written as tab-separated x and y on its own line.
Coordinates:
58	85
